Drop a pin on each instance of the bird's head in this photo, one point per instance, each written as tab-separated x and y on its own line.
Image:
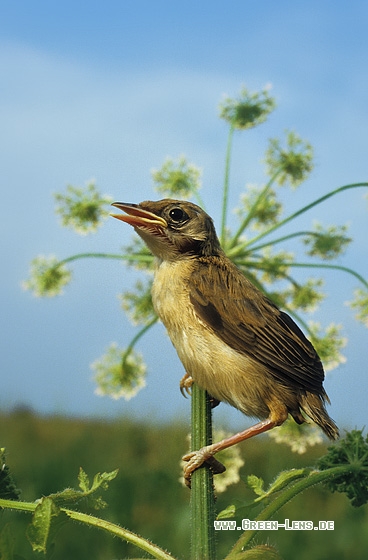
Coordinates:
171	229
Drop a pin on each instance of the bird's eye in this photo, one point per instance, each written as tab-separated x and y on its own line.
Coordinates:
178	215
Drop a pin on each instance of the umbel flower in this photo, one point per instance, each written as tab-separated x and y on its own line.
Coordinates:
177	179
248	110
292	163
119	373
82	209
47	277
299	437
360	304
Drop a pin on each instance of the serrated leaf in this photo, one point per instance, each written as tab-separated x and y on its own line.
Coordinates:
351	450
38	531
83	480
101	480
70	496
256	484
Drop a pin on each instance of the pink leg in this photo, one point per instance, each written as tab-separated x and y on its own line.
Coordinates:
205	454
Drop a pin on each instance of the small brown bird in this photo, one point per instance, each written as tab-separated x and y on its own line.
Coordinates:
232	340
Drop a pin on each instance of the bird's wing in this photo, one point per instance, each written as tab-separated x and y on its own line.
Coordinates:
248	322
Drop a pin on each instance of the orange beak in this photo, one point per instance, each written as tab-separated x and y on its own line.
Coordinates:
139	218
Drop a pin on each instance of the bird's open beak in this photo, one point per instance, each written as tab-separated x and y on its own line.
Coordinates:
137	217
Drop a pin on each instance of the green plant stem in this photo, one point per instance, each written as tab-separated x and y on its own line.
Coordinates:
279	240
305	209
313	478
93	521
121	533
258	266
202	493
331	267
138	336
241	248
126	257
225	197
254	207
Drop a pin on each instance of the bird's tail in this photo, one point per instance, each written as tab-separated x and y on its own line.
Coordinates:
314	406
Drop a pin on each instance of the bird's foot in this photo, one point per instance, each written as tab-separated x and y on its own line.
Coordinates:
185	384
195	460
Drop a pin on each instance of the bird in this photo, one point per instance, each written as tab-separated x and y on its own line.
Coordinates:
232	340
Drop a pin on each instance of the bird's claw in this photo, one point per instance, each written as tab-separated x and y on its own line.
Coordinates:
185	384
196	459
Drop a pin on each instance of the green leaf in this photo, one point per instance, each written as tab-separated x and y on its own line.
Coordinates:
256	484
230	511
39	530
280	483
8	490
83	480
284	479
101	480
71	496
353	451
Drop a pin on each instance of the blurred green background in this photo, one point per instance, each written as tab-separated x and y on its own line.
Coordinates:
45	453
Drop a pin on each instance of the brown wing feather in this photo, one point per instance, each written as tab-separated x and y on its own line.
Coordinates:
246	320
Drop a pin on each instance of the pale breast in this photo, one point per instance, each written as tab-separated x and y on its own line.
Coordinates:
225	373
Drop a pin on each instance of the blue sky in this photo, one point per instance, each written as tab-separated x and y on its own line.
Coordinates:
108	90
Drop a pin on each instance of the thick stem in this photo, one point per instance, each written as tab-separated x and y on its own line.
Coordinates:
202	493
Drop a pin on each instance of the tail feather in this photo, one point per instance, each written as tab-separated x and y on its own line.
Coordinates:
314	406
